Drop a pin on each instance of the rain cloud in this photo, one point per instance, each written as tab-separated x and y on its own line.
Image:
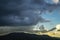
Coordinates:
24	12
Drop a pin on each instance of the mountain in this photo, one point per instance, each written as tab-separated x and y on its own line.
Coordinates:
26	36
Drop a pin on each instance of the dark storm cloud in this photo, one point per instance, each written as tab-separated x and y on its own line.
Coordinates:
23	12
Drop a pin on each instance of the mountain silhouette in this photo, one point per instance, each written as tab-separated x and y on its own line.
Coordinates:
26	36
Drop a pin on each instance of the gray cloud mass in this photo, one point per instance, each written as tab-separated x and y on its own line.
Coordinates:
23	12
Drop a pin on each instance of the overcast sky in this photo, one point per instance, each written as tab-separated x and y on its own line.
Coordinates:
29	12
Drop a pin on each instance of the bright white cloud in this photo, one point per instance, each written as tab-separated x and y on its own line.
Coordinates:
55	1
52	1
58	26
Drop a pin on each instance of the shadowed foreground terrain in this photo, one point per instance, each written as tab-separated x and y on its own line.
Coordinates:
26	36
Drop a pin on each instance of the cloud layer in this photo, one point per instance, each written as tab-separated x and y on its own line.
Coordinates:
24	12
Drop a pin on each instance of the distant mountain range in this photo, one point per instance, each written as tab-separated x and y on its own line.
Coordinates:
26	36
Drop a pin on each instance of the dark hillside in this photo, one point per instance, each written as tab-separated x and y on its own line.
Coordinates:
25	36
